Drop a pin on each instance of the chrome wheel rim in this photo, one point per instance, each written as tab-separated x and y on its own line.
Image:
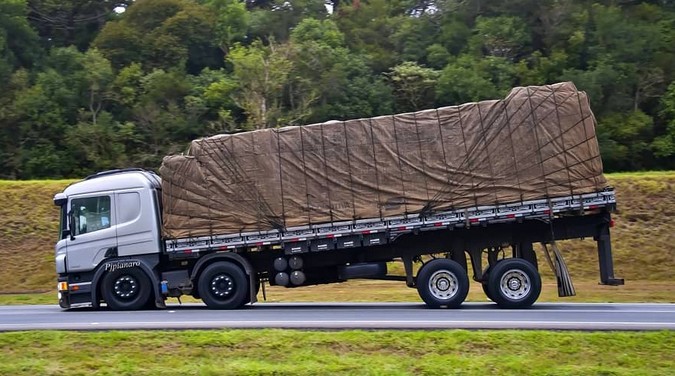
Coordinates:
515	284
443	285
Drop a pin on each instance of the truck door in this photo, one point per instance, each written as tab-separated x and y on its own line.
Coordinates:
93	231
137	222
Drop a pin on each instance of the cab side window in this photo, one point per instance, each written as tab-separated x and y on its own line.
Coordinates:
90	214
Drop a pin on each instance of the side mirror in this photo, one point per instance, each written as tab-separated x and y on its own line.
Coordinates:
71	222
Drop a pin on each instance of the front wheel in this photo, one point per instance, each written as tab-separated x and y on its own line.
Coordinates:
223	285
443	283
514	283
126	289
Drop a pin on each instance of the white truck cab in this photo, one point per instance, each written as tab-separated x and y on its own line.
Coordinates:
114	214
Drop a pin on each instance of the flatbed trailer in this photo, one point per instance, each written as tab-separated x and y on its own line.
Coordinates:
362	246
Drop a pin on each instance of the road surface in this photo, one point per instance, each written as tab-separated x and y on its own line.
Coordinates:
575	316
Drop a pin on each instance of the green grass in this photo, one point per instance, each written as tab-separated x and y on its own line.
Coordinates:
637	174
287	352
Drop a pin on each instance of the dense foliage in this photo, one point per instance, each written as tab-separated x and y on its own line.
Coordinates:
91	84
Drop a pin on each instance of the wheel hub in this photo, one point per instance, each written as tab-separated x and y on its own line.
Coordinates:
443	284
515	284
126	287
222	285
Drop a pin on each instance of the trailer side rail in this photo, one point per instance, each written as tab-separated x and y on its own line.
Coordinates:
382	230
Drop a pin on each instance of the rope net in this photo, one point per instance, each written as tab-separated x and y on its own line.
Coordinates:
539	142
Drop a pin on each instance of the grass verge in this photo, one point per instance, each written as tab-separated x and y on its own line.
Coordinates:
287	352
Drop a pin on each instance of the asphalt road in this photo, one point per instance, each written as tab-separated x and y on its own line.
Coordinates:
349	316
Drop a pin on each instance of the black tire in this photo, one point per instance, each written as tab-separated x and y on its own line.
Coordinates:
484	285
223	285
442	283
126	289
514	283
486	290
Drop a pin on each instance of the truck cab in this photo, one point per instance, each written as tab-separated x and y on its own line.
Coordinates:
108	216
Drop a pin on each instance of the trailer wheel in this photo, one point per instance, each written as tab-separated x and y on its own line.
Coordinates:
514	283
223	285
485	285
126	289
443	282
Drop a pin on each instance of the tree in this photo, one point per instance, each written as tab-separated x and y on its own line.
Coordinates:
98	74
138	83
261	72
664	145
502	36
278	18
10	149
19	50
414	86
97	146
368	29
18	42
162	34
470	78
231	22
624	140
339	82
413	37
43	112
61	23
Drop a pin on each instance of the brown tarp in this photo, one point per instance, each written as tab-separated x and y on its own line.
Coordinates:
539	142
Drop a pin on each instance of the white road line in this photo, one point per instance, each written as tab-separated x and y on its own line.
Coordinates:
386	324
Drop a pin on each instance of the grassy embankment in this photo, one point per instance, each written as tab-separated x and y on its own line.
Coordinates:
643	242
267	352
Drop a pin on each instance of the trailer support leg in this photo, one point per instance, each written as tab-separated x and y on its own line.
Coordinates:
408	266
605	259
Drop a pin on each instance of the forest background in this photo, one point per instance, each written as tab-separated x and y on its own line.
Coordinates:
88	85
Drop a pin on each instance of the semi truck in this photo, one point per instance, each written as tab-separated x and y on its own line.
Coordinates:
448	193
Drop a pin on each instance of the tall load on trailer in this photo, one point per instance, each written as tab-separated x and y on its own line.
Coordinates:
539	142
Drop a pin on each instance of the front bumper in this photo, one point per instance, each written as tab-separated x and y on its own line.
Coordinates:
73	295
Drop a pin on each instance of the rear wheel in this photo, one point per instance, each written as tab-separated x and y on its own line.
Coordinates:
442	283
484	284
514	283
126	289
223	285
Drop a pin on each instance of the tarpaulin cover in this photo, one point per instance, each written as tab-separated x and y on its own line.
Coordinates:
539	142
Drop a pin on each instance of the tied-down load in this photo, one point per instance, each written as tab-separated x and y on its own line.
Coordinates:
539	142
